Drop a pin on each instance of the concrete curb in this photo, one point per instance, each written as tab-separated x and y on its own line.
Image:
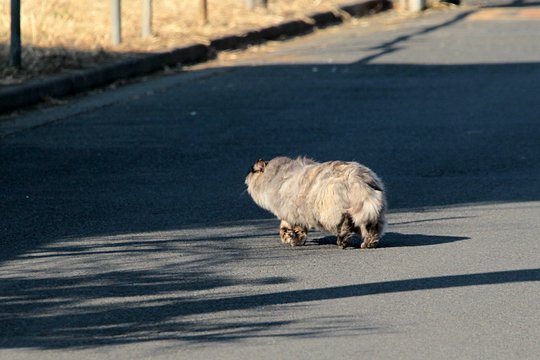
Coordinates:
32	92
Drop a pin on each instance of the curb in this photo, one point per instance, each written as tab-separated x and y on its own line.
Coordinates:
18	96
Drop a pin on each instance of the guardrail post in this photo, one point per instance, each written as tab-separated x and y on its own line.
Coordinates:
15	40
147	18
412	5
204	11
116	21
417	5
251	4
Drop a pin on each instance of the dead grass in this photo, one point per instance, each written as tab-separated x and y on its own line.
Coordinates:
60	35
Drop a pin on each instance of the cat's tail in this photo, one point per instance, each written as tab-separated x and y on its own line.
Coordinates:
367	194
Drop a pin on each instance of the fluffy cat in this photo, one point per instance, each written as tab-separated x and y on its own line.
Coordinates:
336	196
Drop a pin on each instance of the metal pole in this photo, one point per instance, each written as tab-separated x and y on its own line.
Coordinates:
116	22
417	5
412	5
147	18
204	11
252	4
15	41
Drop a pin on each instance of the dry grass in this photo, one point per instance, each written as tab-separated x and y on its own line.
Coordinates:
60	35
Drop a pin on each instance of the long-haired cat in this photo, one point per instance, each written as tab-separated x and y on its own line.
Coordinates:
336	196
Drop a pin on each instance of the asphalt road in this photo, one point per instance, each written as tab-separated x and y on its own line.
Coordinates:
126	232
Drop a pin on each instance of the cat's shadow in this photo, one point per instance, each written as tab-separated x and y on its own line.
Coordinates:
394	239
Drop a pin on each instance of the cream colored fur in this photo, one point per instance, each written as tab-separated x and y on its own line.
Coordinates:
309	194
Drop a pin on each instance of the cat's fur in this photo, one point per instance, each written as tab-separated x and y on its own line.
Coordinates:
336	196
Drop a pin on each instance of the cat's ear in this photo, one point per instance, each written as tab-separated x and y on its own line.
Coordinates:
259	166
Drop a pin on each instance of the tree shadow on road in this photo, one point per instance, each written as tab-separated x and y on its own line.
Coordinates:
127	306
432	156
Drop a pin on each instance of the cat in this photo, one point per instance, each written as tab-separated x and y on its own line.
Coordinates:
335	196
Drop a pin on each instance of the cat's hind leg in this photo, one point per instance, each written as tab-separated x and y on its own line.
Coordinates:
345	230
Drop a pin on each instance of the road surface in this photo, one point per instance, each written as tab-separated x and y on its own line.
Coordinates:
127	233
